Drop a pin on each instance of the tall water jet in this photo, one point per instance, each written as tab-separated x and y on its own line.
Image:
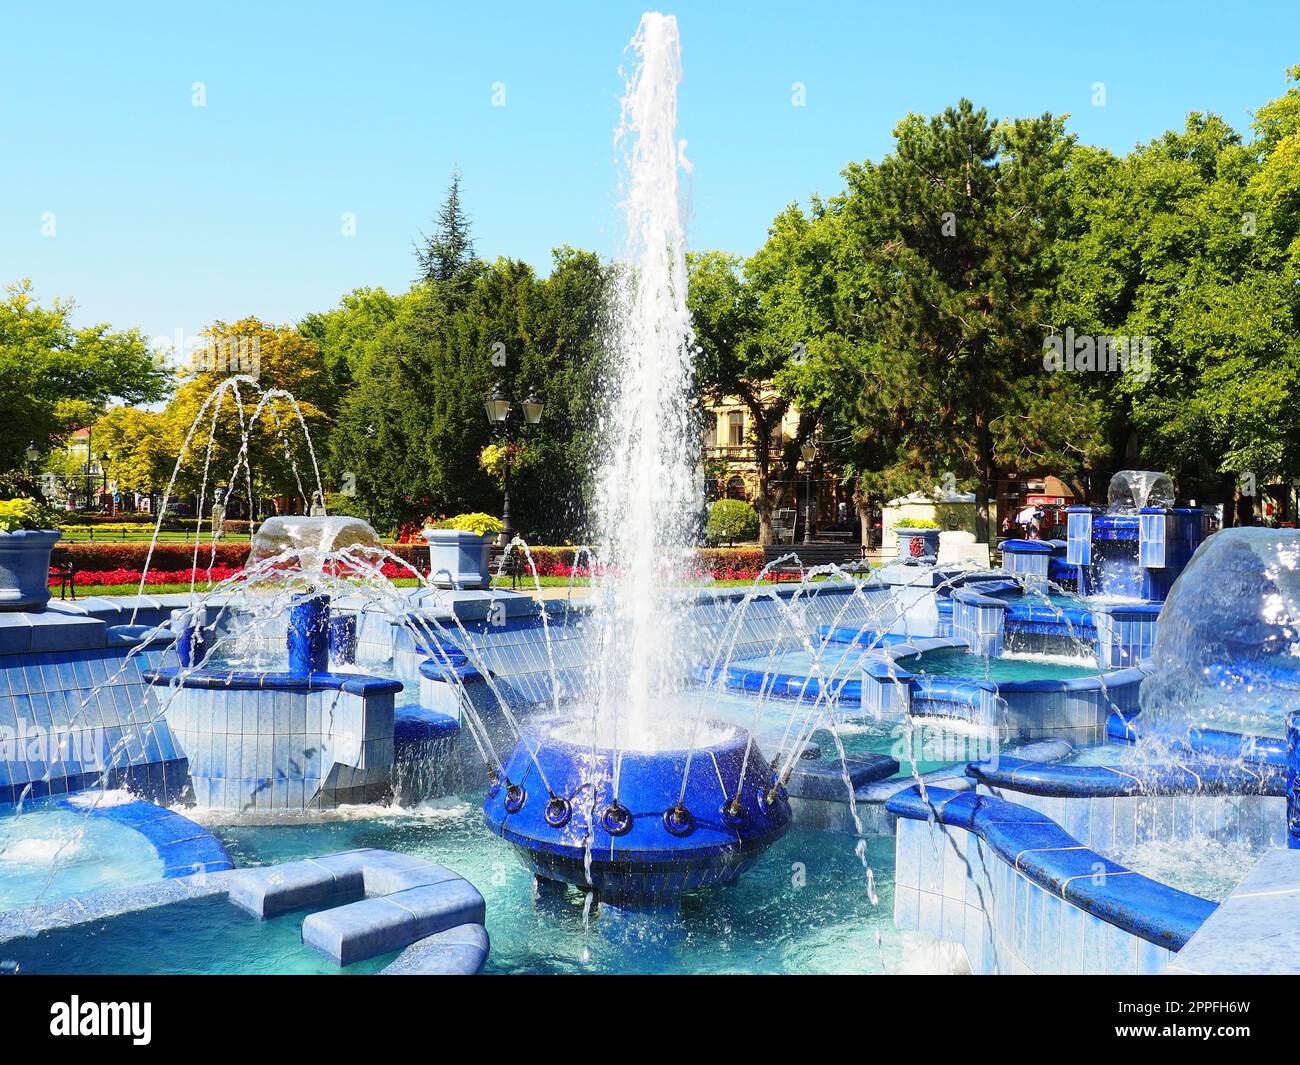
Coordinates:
619	810
647	495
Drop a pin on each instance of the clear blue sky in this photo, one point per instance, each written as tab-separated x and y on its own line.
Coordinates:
168	215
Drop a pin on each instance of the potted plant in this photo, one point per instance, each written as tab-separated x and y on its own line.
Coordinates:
918	539
27	536
459	549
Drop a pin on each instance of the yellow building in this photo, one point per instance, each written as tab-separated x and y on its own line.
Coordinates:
732	469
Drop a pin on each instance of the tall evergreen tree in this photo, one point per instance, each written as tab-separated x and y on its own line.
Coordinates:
958	223
447	254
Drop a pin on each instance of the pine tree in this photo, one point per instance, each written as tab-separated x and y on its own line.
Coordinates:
447	254
960	223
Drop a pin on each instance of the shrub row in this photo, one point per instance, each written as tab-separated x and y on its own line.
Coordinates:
166	556
107	563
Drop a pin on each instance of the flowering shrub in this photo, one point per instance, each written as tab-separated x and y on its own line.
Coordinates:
494	458
16	514
479	524
200	574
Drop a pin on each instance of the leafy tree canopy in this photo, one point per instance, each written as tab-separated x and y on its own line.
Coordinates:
55	377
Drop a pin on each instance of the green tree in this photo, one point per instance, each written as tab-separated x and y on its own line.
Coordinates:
1190	242
413	427
55	377
347	333
958	224
447	255
135	439
764	328
281	456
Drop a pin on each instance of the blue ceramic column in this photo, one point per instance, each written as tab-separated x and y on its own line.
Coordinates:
308	636
343	638
1293	780
188	624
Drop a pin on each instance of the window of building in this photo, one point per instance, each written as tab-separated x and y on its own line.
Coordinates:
736	429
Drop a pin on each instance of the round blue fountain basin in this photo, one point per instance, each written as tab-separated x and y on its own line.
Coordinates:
644	851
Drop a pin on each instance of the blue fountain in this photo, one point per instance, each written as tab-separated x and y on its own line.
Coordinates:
1139	545
646	849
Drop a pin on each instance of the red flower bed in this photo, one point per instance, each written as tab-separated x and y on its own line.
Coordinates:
201	574
173	563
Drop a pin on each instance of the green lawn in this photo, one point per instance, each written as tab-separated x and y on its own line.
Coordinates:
85	534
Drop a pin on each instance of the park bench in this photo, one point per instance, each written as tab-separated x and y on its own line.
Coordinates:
64	569
818	553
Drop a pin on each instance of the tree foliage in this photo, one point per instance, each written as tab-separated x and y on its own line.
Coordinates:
281	457
56	377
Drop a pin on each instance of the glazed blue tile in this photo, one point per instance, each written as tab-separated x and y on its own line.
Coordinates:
1121	952
930	919
1034	928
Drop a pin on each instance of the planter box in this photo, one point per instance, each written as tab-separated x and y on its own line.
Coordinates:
458	559
917	543
25	568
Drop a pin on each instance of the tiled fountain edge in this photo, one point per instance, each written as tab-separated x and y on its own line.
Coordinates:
1020	895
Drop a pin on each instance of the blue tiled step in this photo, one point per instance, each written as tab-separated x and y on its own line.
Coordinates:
379	902
240	680
413	723
392	922
184	847
463	949
1257	751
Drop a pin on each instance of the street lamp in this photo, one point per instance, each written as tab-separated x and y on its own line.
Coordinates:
532	408
104	456
809	452
498	406
33	457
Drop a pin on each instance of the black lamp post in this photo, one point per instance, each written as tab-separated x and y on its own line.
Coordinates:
809	453
33	457
104	456
499	407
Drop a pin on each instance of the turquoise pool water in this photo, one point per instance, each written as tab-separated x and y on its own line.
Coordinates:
955	662
835	661
922	746
86	853
804	907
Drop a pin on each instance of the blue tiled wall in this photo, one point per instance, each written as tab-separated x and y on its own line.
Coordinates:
285	749
46	691
950	884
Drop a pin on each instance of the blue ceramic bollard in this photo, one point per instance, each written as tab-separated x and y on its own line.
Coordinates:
308	636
